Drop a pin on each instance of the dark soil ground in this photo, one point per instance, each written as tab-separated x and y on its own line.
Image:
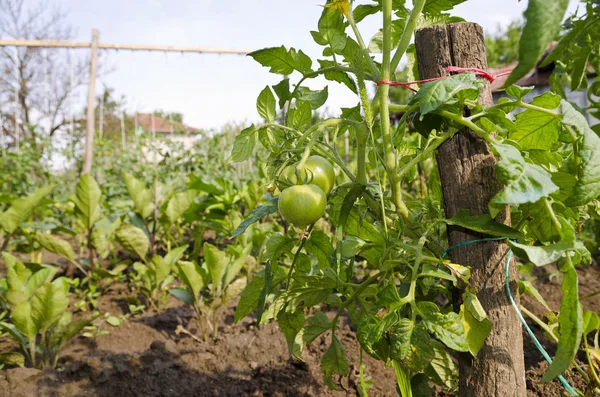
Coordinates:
145	356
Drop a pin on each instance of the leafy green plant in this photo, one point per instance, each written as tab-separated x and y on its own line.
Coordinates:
154	277
212	285
39	317
385	264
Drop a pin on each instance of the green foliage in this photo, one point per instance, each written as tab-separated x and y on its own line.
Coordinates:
383	265
38	307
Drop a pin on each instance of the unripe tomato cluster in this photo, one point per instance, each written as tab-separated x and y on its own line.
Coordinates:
303	203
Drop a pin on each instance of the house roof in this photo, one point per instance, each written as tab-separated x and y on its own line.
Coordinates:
162	125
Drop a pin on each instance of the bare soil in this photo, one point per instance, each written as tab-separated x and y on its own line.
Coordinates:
145	356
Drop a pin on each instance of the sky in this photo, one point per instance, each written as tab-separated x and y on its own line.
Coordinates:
212	90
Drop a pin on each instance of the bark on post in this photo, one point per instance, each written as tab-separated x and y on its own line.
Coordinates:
467	170
88	153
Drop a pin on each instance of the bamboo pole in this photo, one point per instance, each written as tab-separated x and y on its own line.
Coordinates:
112	46
89	139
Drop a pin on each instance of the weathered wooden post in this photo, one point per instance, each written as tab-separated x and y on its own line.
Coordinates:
467	170
88	153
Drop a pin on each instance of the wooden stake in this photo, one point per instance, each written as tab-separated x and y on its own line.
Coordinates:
467	171
88	153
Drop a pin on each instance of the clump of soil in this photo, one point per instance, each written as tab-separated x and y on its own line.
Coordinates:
145	356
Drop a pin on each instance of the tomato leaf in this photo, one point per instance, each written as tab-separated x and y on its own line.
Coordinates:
291	324
316	325
535	129
266	105
570	326
243	146
482	224
334	361
587	187
543	20
525	182
447	327
434	94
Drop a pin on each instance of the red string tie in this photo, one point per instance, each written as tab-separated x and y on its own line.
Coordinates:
449	69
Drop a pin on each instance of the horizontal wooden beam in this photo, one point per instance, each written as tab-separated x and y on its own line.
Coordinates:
110	46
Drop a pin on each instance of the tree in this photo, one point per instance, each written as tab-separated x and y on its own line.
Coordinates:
41	79
502	47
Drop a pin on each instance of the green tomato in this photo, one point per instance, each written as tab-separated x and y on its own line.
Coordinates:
316	171
302	205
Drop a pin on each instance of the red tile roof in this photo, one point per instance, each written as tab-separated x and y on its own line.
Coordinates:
162	125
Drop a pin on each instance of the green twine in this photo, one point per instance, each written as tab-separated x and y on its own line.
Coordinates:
536	342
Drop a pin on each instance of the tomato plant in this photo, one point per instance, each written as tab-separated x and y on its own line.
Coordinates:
413	308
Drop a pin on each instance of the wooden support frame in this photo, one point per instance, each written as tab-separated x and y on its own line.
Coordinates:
94	45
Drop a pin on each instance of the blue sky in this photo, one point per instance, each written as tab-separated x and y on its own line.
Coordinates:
211	90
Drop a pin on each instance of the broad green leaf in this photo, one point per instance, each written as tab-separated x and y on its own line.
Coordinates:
12	330
476	331
12	359
48	305
236	265
535	129
87	201
525	182
191	275
419	385
178	204
102	234
570	322
17	276
133	239
434	94
362	11
56	245
526	287
421	350
266	105
591	322
243	146
331	31
518	91
316	325
161	268
39	278
483	224
276	245
319	245
300	116
355	223
183	294
282	90
447	327
249	298
545	254
441	369
255	215
473	306
291	324
23	321
370	335
175	255
308	291
72	329
21	209
276	58
543	21
142	197
315	99
334	361
401	339
338	76
234	289
216	261
438	6
587	187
